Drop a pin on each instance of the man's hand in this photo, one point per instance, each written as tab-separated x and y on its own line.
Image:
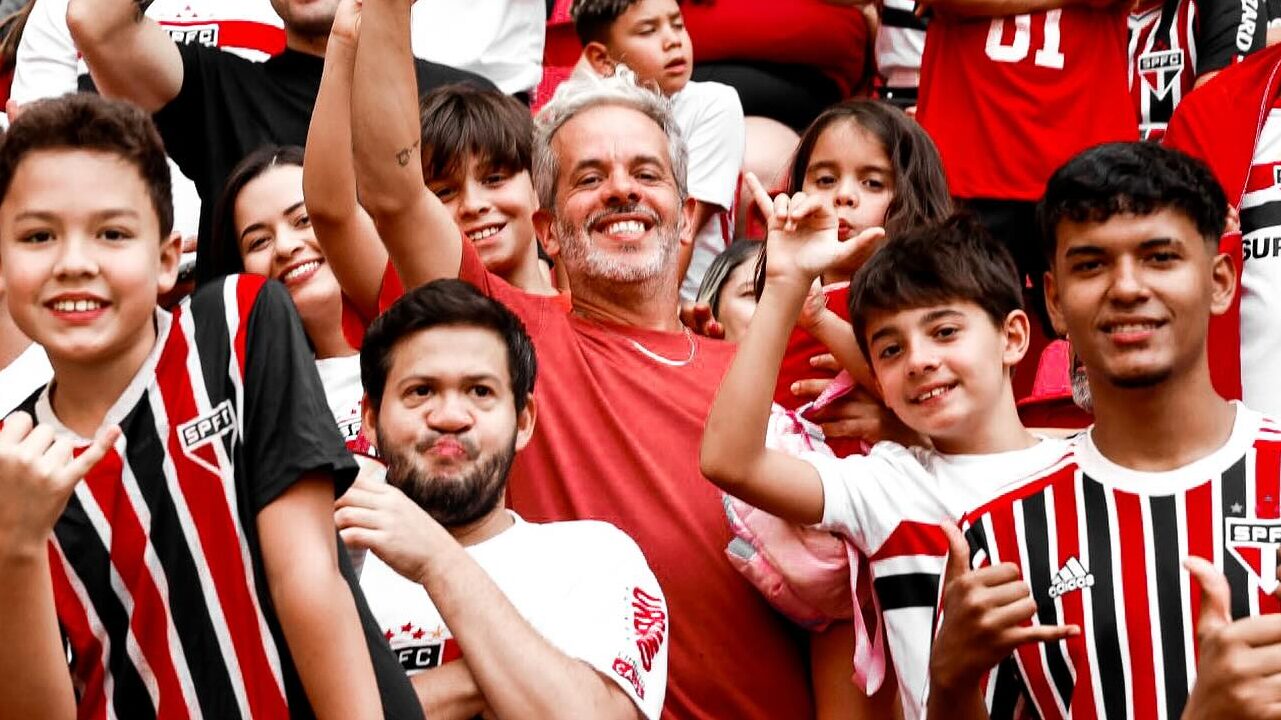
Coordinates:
1239	667
985	612
38	472
347	21
802	238
378	517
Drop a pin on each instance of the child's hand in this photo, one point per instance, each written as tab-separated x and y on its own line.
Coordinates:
697	316
802	238
814	308
38	472
380	518
984	616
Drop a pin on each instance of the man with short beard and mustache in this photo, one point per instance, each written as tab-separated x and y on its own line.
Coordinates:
213	107
626	389
488	613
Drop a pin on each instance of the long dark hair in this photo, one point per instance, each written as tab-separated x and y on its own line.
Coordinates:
11	28
921	196
224	256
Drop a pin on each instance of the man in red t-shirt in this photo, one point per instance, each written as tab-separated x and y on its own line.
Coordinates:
1010	97
625	390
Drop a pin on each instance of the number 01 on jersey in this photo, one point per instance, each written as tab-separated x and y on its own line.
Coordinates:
1016	50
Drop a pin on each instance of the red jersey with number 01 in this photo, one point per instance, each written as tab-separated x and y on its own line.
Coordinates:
1008	100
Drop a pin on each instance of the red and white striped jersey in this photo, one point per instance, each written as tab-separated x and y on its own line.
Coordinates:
1102	548
1174	42
889	504
1261	269
156	565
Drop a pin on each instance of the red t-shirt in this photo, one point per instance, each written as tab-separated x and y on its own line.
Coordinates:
618	440
1009	100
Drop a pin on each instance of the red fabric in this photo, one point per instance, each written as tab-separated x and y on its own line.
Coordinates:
802	346
831	38
618	440
1050	403
1004	127
1220	123
245	34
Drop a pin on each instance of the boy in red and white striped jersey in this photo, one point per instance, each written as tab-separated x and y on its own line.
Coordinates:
1096	545
185	565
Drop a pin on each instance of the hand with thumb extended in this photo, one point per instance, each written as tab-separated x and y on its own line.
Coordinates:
986	615
1239	666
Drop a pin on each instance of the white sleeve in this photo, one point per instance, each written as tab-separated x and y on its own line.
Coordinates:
715	137
864	495
47	61
621	623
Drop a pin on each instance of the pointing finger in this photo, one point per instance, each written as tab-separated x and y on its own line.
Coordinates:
1216	596
958	555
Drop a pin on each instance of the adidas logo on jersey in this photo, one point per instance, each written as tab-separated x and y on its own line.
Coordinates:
1072	576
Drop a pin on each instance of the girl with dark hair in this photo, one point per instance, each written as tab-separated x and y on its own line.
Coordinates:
729	290
261	226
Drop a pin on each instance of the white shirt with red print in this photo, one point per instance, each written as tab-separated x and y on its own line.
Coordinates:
583	585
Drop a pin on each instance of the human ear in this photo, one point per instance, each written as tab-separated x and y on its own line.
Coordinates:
170	257
1223	279
1052	304
544	230
525	421
369	420
1017	330
597	56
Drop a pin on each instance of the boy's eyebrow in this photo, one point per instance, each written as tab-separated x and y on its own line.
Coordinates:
1159	242
1083	250
883	332
467	378
936	315
99	215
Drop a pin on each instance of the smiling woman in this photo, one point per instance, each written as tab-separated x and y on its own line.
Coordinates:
261	227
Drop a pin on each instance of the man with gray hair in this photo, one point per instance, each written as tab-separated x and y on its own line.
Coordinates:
626	388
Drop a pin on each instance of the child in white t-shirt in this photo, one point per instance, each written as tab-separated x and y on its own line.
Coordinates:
938	312
649	37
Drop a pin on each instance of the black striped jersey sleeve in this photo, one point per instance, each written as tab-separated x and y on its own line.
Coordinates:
1227	31
288	428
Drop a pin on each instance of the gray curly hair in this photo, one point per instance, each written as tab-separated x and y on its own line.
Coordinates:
586	90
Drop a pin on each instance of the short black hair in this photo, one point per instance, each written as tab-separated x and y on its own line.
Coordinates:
1137	178
446	303
956	260
593	18
91	122
461	119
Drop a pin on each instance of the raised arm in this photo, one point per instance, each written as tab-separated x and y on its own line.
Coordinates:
417	230
129	55
801	243
344	230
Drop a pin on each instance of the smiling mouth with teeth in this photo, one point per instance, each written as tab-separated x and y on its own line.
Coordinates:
68	306
936	392
300	270
485	233
1132	327
625	227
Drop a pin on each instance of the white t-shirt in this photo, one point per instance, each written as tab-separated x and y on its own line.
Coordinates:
501	40
890	503
29	372
583	585
341	378
900	42
710	117
1261	277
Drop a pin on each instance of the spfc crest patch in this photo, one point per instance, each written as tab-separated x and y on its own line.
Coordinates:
1160	70
1254	544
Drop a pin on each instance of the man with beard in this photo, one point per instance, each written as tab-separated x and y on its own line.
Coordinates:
487	612
214	107
626	390
1171	478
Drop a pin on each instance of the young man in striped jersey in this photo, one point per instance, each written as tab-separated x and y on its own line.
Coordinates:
1169	472
186	564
